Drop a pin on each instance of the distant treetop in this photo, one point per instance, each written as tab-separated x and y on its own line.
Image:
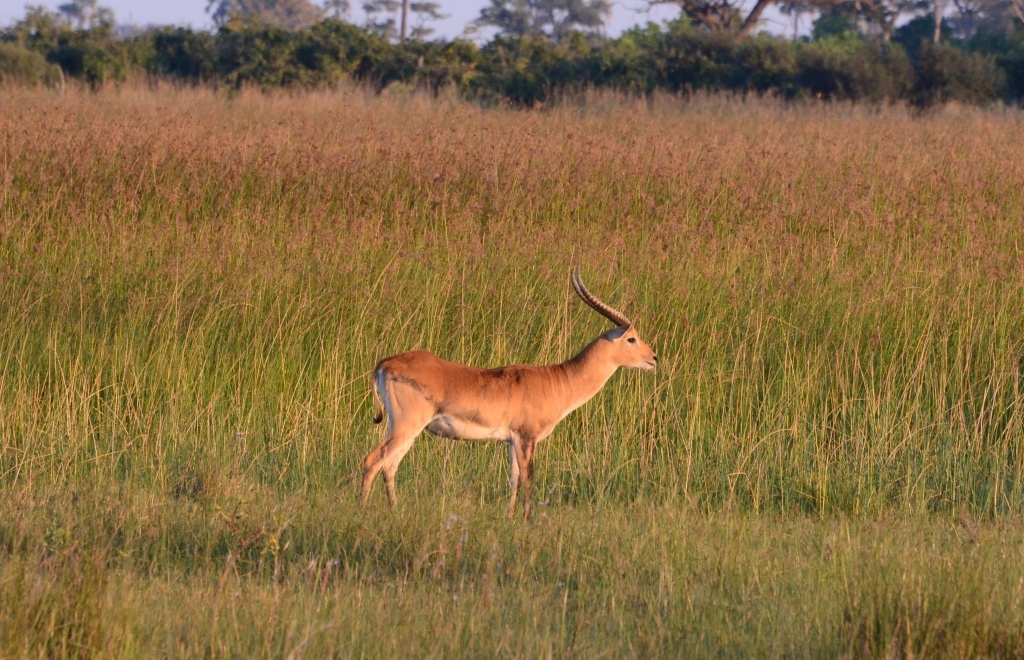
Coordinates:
554	19
287	14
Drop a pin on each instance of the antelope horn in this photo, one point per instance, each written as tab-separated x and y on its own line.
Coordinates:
613	315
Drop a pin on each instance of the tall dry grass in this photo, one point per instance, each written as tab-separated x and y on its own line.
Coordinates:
194	289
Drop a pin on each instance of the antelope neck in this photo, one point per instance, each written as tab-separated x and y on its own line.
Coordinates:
584	375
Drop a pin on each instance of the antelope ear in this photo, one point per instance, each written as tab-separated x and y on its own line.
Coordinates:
616	332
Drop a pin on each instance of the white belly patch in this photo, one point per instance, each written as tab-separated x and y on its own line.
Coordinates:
447	426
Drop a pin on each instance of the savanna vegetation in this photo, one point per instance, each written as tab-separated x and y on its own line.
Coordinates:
194	288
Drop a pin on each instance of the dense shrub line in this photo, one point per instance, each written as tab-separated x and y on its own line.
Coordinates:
675	57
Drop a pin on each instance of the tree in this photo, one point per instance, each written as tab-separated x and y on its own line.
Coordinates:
337	8
878	17
870	18
797	10
86	14
287	14
996	15
721	15
834	24
938	6
554	19
380	19
424	12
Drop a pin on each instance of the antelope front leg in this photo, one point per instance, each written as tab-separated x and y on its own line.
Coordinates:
520	472
526	475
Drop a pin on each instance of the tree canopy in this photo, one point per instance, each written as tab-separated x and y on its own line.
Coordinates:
554	19
288	14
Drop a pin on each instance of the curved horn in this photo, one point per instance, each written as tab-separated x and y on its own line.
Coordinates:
613	315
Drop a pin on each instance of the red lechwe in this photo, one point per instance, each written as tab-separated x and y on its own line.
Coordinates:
519	404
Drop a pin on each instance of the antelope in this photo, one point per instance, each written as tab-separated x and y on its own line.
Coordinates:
519	405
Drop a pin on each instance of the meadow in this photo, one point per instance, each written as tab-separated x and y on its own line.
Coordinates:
195	286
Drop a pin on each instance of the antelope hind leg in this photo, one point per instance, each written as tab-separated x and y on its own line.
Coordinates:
399	447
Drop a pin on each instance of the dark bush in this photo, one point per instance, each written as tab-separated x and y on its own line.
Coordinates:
696	59
946	73
25	67
255	54
529	70
849	68
441	65
93	56
834	24
628	63
918	32
1006	48
333	49
183	54
767	64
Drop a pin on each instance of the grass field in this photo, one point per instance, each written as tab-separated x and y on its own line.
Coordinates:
194	288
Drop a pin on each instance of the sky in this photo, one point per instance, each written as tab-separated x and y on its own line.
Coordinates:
193	12
625	14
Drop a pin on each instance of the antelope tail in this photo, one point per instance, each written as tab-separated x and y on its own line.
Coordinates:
379	417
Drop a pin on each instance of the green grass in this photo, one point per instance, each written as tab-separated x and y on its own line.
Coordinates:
267	574
193	291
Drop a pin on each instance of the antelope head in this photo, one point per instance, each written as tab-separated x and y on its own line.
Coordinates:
626	349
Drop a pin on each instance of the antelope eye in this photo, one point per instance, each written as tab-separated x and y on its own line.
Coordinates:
632	340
